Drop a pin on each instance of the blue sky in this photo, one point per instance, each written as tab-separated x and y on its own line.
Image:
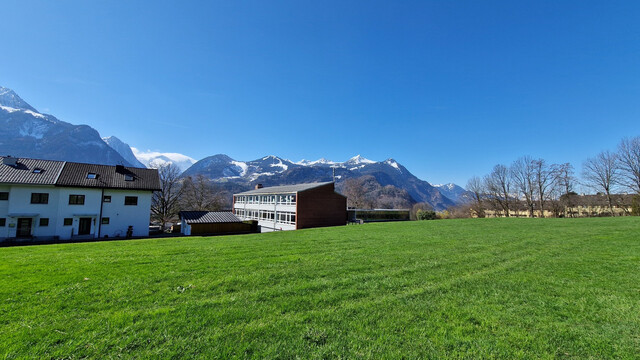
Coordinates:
447	88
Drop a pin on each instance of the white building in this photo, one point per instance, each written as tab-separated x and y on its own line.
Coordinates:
292	207
51	200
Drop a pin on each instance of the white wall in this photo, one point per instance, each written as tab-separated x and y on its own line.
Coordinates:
58	208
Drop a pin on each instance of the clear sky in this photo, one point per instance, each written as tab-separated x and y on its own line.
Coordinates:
447	88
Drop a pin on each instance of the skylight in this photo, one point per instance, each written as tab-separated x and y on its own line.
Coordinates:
128	177
92	175
37	171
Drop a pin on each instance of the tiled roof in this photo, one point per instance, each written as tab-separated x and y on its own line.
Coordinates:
23	172
285	189
111	177
208	217
61	173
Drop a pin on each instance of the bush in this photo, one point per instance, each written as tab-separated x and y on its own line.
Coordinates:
426	215
635	206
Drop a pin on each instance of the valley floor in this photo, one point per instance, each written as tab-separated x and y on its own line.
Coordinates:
475	288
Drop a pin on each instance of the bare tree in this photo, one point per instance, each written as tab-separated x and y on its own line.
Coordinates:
476	187
522	173
164	203
200	195
354	190
498	186
629	162
565	181
600	174
544	179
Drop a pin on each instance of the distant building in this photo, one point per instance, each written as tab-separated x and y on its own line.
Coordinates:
572	205
292	207
212	223
379	215
58	200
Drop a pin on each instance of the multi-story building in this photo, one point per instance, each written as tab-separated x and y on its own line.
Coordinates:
44	199
292	207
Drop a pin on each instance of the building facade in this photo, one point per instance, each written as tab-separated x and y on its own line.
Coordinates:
292	207
57	200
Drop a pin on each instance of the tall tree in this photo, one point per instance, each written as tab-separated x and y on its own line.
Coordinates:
476	187
498	186
600	173
565	184
164	203
522	173
199	195
354	190
629	162
544	180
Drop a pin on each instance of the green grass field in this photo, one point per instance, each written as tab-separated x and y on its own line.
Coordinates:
476	288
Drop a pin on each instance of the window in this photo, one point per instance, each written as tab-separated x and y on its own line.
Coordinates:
37	171
3	222
106	198
39	198
4	195
105	221
92	176
128	177
68	221
44	221
76	199
131	200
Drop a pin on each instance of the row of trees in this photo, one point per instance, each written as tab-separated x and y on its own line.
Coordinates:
189	194
539	186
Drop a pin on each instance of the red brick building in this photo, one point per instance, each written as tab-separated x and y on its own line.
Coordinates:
292	207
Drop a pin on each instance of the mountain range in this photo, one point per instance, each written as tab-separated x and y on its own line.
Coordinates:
25	132
272	170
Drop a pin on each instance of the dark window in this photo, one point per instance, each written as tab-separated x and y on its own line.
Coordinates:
3	221
131	200
4	195
107	198
76	199
44	221
128	177
92	175
68	221
39	198
105	221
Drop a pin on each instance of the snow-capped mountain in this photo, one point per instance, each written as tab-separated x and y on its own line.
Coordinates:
25	132
453	192
272	170
124	150
155	159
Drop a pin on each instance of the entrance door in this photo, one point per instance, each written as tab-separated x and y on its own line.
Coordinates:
24	227
84	227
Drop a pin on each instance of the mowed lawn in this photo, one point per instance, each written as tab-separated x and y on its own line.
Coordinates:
475	288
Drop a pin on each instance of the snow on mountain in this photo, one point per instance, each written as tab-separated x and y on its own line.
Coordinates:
25	132
321	161
243	167
155	159
357	160
9	98
452	191
123	149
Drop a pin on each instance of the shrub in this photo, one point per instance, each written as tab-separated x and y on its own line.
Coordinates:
426	215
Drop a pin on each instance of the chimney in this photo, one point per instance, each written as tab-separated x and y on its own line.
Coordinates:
9	160
259	186
120	169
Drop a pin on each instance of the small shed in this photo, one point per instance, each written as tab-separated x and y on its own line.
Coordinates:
212	223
